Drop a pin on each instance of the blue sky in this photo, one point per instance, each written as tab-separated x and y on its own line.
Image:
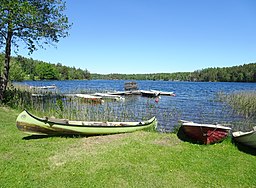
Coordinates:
156	36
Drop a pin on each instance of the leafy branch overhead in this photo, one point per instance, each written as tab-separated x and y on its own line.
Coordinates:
33	22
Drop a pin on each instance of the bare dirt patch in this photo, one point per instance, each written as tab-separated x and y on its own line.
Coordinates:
96	140
87	146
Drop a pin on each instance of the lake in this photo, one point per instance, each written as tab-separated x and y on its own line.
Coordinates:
195	101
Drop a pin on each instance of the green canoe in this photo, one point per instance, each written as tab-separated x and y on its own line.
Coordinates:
33	125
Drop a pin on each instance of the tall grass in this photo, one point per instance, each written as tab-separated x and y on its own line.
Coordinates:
243	104
49	103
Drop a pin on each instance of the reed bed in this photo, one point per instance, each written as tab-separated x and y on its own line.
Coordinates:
54	104
243	104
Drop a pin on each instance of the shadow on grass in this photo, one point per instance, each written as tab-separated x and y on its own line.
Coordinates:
182	136
244	148
34	137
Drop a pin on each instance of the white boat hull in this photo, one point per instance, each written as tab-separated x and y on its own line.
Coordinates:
245	138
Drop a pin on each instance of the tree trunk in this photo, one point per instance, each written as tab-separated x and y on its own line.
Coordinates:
5	79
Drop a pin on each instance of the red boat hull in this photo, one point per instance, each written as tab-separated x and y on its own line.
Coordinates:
205	135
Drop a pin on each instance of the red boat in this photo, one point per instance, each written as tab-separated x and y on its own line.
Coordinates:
205	133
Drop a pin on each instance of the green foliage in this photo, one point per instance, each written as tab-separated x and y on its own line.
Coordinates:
16	72
35	23
17	99
46	71
185	76
28	69
243	73
32	23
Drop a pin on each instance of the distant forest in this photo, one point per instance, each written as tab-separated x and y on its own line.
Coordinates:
28	69
242	73
22	68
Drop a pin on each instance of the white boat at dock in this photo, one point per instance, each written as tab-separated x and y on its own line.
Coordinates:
43	87
146	93
167	93
89	98
120	93
109	96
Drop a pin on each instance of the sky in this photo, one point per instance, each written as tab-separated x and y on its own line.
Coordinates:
155	36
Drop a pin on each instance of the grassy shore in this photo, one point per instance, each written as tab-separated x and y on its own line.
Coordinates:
140	159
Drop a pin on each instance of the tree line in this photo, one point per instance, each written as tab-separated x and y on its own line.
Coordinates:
242	73
22	68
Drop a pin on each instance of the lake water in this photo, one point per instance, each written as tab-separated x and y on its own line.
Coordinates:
195	101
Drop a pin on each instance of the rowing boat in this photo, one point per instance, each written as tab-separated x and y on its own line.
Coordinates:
34	125
246	138
205	133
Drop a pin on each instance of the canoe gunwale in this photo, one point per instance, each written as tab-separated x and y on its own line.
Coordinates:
97	124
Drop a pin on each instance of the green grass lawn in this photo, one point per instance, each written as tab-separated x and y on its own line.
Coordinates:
140	159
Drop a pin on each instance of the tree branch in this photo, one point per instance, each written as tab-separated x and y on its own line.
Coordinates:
3	34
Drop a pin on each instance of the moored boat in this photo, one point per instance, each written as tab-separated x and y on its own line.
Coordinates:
129	86
44	87
34	125
205	133
246	138
149	93
90	98
120	93
167	93
109	96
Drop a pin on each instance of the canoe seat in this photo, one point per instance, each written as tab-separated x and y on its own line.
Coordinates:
54	120
123	124
62	121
